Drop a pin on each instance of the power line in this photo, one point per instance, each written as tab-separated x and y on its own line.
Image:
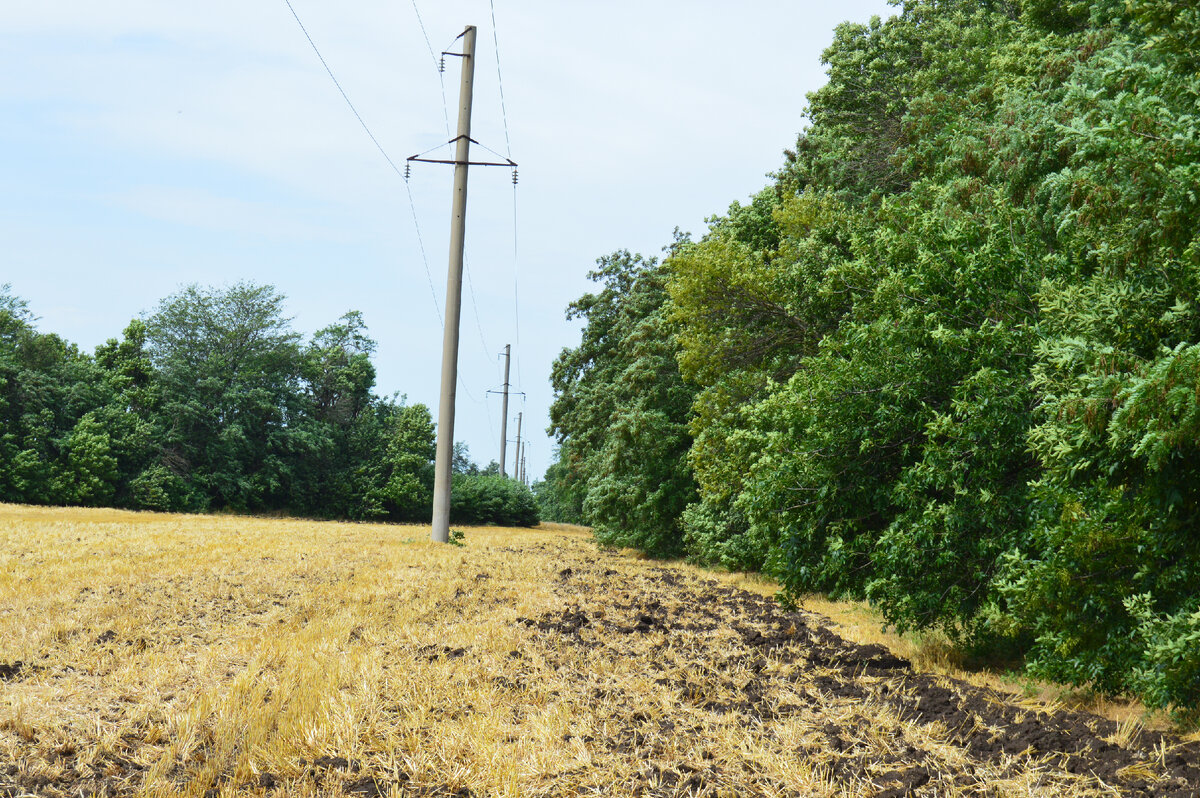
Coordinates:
488	410
499	77
424	33
411	201
508	146
437	308
345	97
378	146
475	306
446	116
437	64
516	290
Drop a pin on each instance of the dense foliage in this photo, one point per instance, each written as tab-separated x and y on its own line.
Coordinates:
621	409
213	401
492	499
949	359
559	496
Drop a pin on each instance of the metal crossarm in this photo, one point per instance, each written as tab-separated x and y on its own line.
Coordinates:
507	161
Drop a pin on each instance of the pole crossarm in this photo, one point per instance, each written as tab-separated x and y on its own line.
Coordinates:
508	162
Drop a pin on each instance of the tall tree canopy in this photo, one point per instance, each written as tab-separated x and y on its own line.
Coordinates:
949	359
228	362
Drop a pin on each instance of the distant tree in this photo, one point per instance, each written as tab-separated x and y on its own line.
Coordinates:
336	370
399	482
559	497
621	408
229	365
131	419
338	426
461	462
47	388
479	499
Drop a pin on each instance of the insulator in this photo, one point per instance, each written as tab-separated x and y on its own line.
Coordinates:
407	170
514	177
442	64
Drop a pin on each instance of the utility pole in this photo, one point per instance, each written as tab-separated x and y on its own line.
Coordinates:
454	275
504	410
454	278
523	481
517	456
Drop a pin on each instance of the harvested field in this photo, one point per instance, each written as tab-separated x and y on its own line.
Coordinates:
146	654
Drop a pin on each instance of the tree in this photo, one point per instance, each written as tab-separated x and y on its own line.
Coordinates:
131	421
229	365
1105	584
336	370
461	462
47	388
337	427
559	497
399	483
621	407
491	499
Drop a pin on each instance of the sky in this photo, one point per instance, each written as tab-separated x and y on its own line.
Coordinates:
149	144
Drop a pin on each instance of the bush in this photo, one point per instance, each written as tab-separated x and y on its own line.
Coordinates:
1170	674
480	499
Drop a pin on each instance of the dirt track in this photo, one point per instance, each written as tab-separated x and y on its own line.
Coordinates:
524	664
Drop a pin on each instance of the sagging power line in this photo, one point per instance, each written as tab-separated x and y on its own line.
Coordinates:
374	140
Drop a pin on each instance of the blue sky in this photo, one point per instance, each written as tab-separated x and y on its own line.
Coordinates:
148	144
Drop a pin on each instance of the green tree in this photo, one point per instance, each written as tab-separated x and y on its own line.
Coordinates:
1106	582
228	363
47	388
90	475
399	483
559	495
130	419
460	462
621	407
491	499
336	427
752	300
337	372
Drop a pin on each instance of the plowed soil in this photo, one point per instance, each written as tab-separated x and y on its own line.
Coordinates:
536	664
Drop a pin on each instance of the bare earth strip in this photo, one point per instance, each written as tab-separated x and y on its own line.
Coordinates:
146	654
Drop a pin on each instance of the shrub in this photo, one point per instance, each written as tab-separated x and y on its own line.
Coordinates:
481	499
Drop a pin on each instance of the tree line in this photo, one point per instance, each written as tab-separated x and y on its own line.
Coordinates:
214	402
947	360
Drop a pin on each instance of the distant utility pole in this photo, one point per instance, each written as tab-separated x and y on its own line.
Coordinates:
517	456
504	410
523	480
454	277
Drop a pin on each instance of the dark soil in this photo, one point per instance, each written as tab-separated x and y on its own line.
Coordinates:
776	647
11	671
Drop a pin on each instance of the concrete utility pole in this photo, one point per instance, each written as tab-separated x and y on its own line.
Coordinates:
504	410
454	278
517	456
